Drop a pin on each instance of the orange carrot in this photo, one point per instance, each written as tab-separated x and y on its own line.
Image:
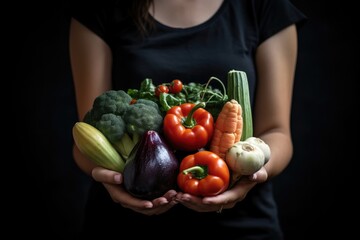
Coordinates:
228	128
239	128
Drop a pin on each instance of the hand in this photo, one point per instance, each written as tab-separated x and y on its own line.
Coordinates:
225	200
112	181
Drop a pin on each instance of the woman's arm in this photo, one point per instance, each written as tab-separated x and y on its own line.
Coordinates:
91	60
276	61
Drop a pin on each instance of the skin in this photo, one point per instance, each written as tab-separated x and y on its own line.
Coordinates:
275	59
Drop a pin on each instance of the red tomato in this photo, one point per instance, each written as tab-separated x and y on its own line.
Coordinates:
161	89
175	86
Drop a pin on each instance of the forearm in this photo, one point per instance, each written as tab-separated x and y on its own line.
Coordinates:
281	151
276	61
82	162
91	69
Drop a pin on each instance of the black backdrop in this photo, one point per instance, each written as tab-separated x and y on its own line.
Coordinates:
316	193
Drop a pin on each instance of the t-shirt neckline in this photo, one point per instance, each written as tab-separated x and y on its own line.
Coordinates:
213	18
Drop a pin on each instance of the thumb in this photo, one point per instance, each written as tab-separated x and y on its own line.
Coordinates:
106	176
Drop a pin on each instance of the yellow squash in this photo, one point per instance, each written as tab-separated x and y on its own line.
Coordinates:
93	144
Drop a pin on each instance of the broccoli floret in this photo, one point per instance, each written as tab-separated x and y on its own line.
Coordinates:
88	118
121	122
150	103
112	126
112	101
143	116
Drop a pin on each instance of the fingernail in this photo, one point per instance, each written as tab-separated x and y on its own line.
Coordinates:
117	178
148	205
185	199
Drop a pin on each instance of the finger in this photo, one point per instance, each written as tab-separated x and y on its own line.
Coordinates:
237	193
165	199
260	176
120	195
195	203
160	205
170	195
157	210
106	176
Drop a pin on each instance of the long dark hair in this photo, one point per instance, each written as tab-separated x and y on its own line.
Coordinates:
141	16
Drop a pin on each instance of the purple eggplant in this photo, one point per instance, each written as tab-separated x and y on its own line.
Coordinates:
151	169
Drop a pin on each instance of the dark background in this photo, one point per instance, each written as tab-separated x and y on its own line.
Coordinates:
316	194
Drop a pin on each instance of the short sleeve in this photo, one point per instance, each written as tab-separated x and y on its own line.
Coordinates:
94	17
275	15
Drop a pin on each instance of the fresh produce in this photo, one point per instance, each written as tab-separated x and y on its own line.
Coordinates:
122	120
238	89
244	158
176	86
213	97
179	93
188	127
151	169
142	116
203	174
262	145
190	117
161	89
94	145
146	91
228	128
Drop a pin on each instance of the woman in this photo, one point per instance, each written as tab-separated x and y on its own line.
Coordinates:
116	46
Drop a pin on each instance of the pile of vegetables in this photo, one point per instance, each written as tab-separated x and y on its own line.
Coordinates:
122	120
188	136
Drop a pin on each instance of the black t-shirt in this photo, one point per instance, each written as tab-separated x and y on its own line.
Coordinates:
228	40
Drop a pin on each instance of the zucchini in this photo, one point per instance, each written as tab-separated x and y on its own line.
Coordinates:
94	145
238	89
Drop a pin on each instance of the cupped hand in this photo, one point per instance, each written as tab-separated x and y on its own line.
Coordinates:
225	200
112	181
